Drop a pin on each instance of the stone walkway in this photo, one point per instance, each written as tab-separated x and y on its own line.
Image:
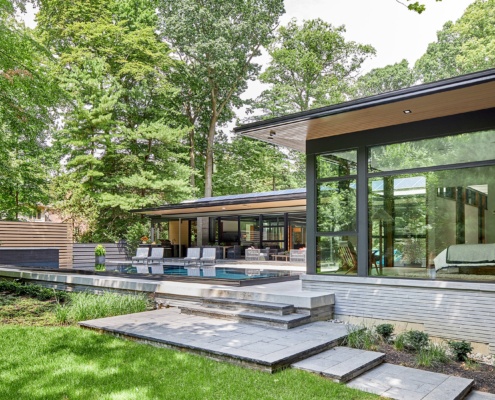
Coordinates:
311	347
258	347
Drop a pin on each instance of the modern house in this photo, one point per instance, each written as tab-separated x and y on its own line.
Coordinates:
401	204
271	219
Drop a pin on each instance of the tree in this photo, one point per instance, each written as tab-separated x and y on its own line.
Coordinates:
28	96
122	143
464	46
245	165
380	80
219	40
312	65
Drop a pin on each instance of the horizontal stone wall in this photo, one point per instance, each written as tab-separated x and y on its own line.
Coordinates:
445	310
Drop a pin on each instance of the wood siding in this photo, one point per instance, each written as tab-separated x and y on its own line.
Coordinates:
465	312
84	253
39	234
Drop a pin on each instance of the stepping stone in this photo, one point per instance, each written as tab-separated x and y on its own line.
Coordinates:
397	382
477	395
341	364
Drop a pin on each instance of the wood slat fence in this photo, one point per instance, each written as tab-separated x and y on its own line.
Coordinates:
84	253
39	234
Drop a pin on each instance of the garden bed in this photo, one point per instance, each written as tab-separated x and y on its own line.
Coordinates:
482	374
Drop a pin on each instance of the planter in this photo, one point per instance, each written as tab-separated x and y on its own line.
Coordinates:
99	260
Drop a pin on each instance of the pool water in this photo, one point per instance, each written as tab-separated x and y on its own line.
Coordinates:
220	272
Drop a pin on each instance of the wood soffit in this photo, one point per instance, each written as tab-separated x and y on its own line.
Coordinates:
424	107
254	208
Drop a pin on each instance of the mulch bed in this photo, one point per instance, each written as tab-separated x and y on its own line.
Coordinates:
482	374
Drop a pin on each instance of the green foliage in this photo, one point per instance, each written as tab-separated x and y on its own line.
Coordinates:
386	79
464	46
100	250
100	267
312	65
412	340
25	289
122	146
361	337
385	330
217	40
460	349
85	306
432	355
247	166
134	234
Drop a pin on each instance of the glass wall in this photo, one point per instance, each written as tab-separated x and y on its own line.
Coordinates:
438	219
336	218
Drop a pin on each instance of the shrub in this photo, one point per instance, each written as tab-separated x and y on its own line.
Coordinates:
100	250
361	337
412	340
432	355
26	289
460	349
100	267
385	330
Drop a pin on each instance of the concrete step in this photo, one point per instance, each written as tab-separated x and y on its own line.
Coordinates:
397	382
249	305
268	320
477	395
341	364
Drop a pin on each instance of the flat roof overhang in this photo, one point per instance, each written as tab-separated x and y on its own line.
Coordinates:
194	210
443	98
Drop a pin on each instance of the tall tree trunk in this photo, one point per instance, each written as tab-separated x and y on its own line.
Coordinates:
192	159
209	157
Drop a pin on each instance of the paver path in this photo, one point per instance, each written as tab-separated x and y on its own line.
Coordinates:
257	346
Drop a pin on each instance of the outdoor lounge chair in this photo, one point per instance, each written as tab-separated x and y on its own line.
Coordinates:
156	255
348	257
141	255
209	256
193	256
297	255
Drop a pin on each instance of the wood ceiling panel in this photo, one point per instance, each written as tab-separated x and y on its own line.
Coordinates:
429	106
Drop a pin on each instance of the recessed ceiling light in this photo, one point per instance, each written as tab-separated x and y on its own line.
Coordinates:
407	112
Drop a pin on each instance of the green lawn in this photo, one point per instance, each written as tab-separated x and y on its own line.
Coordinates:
67	362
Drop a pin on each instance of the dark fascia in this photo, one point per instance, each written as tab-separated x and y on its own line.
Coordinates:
444	85
231	202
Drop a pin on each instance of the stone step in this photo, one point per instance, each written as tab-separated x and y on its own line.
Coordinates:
249	305
477	395
270	320
341	364
398	382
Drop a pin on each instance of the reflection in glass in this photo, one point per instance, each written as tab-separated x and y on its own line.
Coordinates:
343	163
336	206
414	219
466	147
336	255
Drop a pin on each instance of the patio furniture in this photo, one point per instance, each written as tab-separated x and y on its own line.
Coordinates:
141	255
193	256
156	255
209	256
252	255
297	255
348	257
234	252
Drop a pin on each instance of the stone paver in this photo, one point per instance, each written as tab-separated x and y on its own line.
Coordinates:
476	395
402	383
264	348
341	363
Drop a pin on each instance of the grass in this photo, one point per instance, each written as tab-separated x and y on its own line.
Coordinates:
434	354
66	362
85	306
